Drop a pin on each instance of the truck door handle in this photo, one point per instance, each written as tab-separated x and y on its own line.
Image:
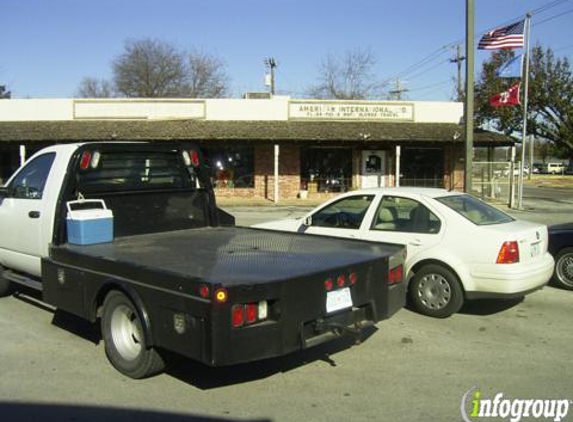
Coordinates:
34	214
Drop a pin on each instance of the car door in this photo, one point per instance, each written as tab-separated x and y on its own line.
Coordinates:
21	240
342	218
407	221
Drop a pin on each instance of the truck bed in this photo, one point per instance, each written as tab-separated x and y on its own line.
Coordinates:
222	255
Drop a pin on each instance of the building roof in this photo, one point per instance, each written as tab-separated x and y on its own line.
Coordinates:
259	131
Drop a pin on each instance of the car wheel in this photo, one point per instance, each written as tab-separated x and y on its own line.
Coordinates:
6	287
563	274
125	339
436	291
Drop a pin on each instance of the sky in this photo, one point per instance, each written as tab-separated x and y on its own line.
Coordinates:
48	46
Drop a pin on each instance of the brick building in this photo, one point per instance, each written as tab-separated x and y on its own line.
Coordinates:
316	148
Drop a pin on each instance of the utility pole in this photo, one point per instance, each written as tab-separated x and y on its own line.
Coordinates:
271	64
397	92
458	60
469	103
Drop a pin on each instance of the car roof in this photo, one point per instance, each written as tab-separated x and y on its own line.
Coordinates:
428	192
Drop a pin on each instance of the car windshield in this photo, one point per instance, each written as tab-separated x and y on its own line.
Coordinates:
478	212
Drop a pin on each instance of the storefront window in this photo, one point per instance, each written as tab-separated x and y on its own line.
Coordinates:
423	167
231	167
326	169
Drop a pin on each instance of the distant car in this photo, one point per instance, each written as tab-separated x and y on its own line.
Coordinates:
561	247
554	168
458	246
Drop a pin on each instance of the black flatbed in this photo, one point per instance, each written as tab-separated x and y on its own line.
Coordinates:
222	255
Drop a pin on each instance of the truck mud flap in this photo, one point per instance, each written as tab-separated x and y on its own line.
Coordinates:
349	323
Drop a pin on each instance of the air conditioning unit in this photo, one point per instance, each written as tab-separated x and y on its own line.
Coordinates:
257	96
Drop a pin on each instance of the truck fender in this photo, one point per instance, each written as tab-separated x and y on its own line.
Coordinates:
133	296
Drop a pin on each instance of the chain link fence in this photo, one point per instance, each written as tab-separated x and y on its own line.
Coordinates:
495	181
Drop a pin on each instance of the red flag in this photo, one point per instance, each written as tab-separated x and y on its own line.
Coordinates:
506	98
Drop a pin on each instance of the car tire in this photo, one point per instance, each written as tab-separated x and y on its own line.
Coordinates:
563	274
436	291
6	287
125	339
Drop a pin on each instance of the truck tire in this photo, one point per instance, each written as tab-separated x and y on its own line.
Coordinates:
124	338
436	291
6	286
563	274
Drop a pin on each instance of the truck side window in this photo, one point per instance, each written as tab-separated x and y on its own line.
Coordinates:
347	213
30	181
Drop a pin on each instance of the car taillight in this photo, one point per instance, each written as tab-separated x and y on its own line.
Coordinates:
249	313
85	160
395	275
509	253
194	156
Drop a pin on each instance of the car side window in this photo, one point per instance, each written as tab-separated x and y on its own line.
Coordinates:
31	180
405	215
346	213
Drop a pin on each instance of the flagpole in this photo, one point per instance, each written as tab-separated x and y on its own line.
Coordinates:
525	98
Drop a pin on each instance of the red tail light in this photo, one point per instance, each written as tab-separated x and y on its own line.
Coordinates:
328	284
85	160
204	291
395	275
252	312
194	155
353	278
509	253
238	315
341	281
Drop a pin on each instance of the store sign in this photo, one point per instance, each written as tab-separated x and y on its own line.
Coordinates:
315	110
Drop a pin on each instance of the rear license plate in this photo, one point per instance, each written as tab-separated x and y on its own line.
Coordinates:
535	249
338	299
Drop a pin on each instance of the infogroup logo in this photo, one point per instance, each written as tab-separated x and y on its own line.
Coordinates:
475	407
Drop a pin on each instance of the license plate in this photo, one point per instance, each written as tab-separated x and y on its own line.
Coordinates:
535	249
338	299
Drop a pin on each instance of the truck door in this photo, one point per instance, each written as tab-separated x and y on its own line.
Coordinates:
21	242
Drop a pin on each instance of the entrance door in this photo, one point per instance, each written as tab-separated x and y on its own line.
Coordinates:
373	169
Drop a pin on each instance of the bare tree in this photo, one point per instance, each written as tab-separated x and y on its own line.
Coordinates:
206	76
95	88
150	68
349	77
3	93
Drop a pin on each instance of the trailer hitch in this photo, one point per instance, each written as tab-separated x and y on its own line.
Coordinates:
340	329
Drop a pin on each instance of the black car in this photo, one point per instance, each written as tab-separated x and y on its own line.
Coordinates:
561	247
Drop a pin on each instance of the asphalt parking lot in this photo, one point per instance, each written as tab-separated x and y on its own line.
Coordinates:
411	368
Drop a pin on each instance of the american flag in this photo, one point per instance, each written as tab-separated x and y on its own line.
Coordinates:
508	37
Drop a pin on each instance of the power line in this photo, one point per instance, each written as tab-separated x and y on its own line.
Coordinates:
554	17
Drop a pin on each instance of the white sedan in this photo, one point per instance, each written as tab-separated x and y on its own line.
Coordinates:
458	246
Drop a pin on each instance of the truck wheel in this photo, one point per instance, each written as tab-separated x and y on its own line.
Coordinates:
125	340
435	291
6	286
563	275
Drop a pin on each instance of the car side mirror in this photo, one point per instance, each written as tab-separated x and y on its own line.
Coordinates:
307	221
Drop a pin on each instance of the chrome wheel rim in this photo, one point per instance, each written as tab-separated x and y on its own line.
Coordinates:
126	332
564	269
434	291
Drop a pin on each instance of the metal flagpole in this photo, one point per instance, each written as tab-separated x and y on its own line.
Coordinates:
525	97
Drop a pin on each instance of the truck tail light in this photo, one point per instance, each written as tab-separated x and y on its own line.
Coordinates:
341	281
204	291
249	313
328	284
353	278
194	156
395	275
238	312
509	253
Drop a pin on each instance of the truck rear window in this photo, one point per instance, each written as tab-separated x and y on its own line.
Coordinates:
134	170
